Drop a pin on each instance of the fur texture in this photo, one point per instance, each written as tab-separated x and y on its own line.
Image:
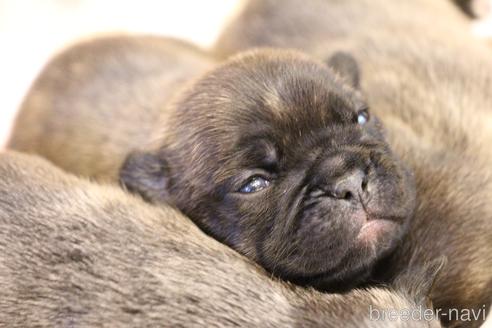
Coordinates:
338	199
435	104
78	129
77	254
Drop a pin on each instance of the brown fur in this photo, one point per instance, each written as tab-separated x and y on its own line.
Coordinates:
435	104
217	134
73	253
246	118
134	75
474	8
443	145
466	6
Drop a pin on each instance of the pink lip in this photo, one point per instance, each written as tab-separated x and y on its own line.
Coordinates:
372	231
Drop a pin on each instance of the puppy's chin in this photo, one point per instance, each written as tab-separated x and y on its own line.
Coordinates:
341	254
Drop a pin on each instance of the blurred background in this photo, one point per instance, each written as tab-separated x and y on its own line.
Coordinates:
32	31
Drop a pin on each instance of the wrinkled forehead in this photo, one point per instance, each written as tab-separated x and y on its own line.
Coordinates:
277	98
288	93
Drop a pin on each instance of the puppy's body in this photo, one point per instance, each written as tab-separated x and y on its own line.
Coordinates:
89	128
435	104
240	124
63	263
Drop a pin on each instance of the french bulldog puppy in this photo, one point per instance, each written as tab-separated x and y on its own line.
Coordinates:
74	253
272	153
436	107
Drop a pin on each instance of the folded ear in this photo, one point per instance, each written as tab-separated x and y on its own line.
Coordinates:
146	174
418	281
346	66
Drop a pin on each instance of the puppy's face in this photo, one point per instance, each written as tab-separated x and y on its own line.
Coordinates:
274	155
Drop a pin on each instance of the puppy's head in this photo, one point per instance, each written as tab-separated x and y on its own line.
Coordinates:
278	156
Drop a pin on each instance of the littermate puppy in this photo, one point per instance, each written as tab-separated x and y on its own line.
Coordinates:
77	254
102	98
271	153
435	105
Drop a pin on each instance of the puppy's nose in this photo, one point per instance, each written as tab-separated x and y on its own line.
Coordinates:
349	186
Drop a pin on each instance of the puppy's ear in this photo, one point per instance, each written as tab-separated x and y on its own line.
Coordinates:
146	174
418	281
346	66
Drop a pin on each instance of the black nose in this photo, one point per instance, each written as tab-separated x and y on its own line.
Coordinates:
349	186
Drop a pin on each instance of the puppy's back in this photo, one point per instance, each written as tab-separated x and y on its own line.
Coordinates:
100	99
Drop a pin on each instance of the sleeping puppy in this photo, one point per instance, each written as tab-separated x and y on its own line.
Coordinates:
275	155
436	106
102	98
77	254
271	153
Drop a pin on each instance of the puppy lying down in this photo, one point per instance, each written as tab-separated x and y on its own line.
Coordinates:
74	253
272	153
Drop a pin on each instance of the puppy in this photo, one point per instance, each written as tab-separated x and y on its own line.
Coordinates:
436	106
89	128
273	154
73	253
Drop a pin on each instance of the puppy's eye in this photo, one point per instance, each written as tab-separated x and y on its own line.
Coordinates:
254	184
362	117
